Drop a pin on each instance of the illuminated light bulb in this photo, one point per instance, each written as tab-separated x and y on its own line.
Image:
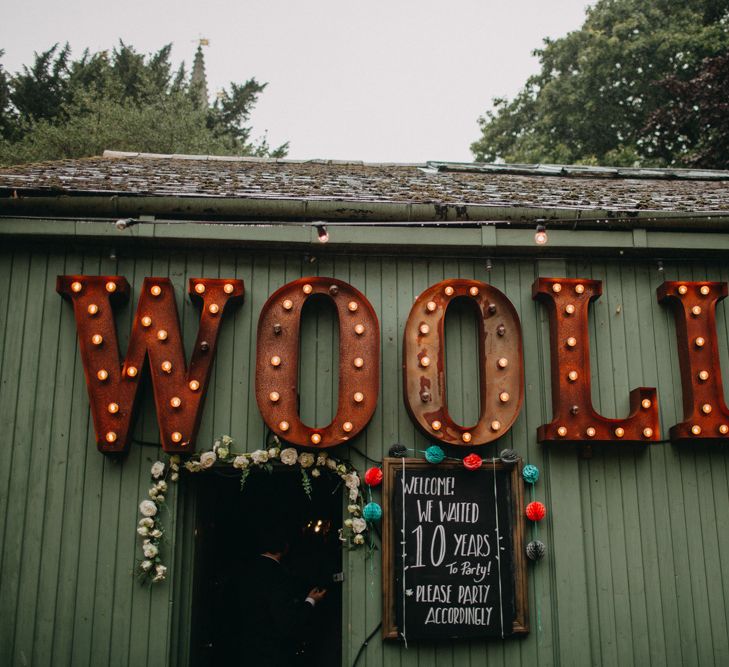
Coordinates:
102	375
359	329
166	366
92	309
572	376
113	408
682	289
274	396
723	429
425	362
307	290
347	426
358	362
696	429
162	334
562	431
647	432
352	305
228	288
146	321
706	408
619	432
283	426
580	289
194	385
540	235
76	286
315	438
214	308
590	432
495	425
96	339
200	288
503	362
132	371
358	397
504	396
449	291
699	341
646	403
424	329
431	306
704	290
435	425
275	361
569	309
466	437
557	288
111	436
703	376
175	401
473	291
155	290
288	304
176	436
111	286
571	341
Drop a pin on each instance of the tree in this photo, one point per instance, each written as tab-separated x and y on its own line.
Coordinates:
600	87
63	108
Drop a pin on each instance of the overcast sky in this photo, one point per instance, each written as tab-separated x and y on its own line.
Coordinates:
382	80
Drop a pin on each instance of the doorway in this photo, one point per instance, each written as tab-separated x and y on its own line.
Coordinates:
228	526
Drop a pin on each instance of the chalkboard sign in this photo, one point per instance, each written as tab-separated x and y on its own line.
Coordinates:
453	551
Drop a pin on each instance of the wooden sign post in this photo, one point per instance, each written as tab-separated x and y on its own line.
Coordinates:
453	551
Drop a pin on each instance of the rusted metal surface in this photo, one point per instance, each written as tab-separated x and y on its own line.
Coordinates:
574	418
277	362
113	386
501	363
705	414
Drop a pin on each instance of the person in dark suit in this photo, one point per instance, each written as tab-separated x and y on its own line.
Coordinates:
277	619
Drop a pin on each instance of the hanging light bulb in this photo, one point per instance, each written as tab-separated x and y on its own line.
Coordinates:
322	233
540	236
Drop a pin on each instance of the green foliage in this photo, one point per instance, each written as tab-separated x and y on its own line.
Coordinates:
600	86
62	108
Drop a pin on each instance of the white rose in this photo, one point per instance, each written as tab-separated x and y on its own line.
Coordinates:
348	523
175	460
227	441
143	530
331	464
306	460
158	469
359	539
259	456
147	508
240	462
153	492
359	525
160	499
193	466
321	459
174	477
353	493
216	444
351	480
289	456
146	522
223	452
162	486
316	472
353	509
156	533
150	550
161	570
174	467
207	459
158	577
342	469
273	452
146	565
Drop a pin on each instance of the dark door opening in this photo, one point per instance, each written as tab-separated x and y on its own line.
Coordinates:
228	523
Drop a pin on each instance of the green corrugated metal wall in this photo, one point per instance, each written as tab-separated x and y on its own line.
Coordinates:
638	564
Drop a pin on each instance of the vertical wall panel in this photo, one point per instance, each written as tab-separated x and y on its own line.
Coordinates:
637	570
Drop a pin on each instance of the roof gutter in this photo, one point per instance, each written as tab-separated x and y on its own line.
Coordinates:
18	203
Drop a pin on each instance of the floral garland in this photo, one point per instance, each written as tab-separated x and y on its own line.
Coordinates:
352	534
